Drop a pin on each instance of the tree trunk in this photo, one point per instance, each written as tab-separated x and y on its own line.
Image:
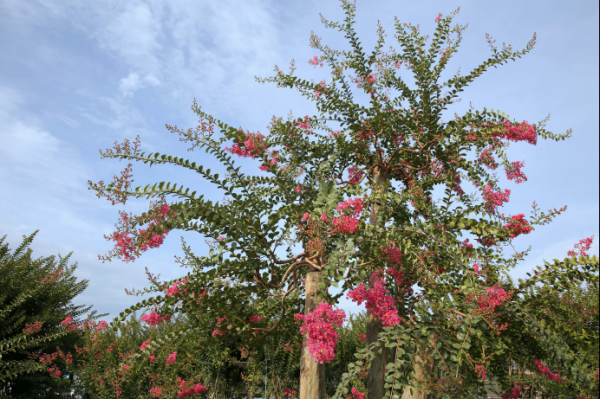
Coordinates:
312	374
376	378
422	369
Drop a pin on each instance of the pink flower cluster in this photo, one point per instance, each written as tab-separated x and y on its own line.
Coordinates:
348	224
355	206
143	346
254	145
171	359
315	61
324	86
345	224
217	331
154	319
156	392
517	226
582	247
175	290
494	199
514	172
393	253
515	392
147	238
322	336
494	298
479	369
255	319
377	300
487	159
194	390
354	175
550	376
356	394
522	132
101	325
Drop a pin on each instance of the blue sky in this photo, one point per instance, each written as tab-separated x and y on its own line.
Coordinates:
76	76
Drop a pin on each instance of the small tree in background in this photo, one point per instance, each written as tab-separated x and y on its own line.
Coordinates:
35	300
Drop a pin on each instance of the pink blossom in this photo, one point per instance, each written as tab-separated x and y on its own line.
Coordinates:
324	218
102	325
254	145
144	345
481	371
298	189
345	224
356	394
377	300
255	319
476	268
305	217
581	248
513	172
196	389
324	86
362	337
550	376
517	226
494	298
174	289
66	322
354	205
354	175
494	199
156	392
393	253
322	336
69	358
487	159
171	359
118	392
152	357
438	18
522	132
154	319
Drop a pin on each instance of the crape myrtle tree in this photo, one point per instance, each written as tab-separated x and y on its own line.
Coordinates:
371	199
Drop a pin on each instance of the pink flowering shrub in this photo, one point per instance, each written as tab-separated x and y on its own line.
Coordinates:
322	336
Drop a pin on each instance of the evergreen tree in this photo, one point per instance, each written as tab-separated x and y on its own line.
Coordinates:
35	301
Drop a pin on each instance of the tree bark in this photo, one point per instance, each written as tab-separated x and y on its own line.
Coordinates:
312	374
421	371
376	378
